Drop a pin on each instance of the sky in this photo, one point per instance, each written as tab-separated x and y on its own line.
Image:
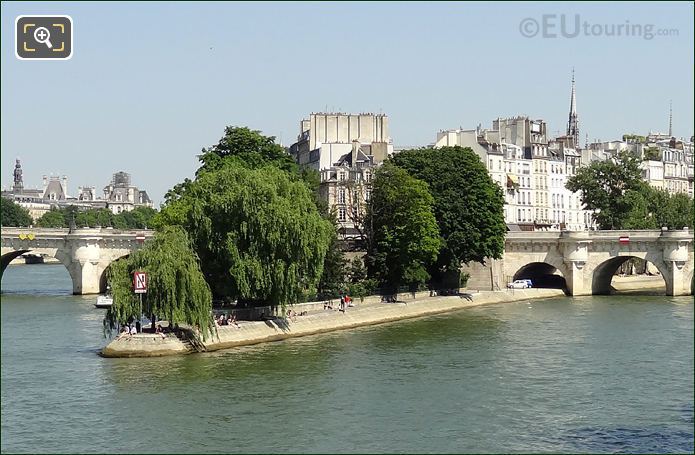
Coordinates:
150	84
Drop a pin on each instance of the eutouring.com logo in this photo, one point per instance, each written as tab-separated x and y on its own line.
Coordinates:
572	26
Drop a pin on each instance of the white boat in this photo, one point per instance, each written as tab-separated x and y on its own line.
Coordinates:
104	301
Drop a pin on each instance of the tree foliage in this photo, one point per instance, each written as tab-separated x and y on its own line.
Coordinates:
12	214
403	233
176	288
468	204
251	147
138	218
258	233
603	186
652	208
614	189
332	281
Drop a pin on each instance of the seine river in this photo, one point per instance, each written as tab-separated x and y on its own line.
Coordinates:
599	374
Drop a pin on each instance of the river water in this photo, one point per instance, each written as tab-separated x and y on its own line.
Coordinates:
595	374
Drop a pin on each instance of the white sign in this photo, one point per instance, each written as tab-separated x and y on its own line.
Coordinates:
140	282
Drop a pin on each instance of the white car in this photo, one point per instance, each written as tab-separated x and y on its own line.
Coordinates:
520	284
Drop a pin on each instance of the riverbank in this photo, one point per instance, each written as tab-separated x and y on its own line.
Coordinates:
317	320
638	283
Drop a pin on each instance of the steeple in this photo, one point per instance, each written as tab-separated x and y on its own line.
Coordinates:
573	122
670	119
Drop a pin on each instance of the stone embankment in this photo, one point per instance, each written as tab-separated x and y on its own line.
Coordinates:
316	320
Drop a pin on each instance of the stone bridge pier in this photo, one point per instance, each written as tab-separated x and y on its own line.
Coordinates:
86	253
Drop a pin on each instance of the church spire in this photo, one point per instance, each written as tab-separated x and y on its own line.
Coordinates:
573	122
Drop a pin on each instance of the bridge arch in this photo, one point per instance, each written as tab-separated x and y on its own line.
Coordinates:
61	256
602	274
542	274
103	277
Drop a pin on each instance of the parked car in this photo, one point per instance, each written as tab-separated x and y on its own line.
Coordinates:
520	284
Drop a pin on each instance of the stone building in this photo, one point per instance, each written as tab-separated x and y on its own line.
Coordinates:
121	196
531	169
344	149
118	196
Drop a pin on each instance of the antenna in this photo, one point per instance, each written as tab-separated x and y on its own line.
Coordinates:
670	118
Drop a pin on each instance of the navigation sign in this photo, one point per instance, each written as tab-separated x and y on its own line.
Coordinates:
140	237
140	282
624	239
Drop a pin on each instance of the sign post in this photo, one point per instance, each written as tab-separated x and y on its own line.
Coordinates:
140	287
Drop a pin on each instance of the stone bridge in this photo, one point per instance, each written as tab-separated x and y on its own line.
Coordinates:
584	262
86	253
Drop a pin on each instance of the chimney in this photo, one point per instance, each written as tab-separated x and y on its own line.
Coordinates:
65	186
355	149
45	181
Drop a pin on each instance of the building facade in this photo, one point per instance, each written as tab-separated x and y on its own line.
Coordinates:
531	169
344	149
119	195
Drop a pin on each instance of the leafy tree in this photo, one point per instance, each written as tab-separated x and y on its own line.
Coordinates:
250	146
54	218
357	270
332	280
258	233
403	233
12	214
95	217
138	218
680	212
176	288
638	214
468	205
604	184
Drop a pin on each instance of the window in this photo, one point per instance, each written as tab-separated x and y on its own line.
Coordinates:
341	196
367	194
368	176
341	214
341	176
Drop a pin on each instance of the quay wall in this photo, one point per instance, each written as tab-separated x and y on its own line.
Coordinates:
319	320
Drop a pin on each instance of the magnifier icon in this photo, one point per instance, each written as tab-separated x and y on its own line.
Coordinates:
42	35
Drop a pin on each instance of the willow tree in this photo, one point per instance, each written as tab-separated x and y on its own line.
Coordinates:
176	288
258	232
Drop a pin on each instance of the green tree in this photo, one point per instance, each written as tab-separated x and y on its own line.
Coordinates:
357	270
250	146
54	218
402	230
638	214
680	212
603	186
138	218
176	288
258	233
468	205
332	281
12	214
